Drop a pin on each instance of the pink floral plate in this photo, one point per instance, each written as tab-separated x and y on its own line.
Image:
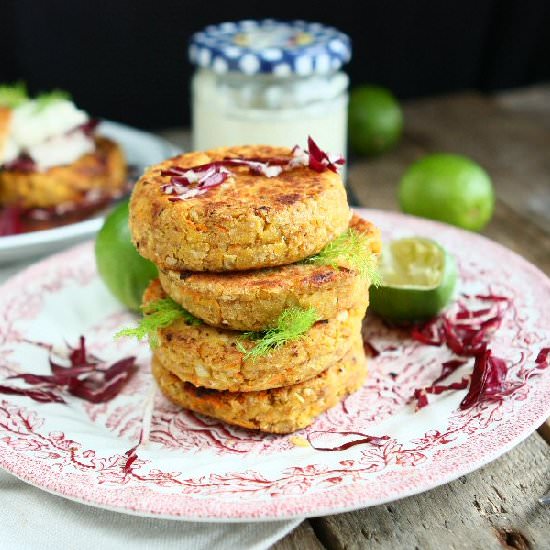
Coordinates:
196	468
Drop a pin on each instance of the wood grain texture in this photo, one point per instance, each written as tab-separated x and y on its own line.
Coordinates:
492	506
301	538
532	103
513	149
544	432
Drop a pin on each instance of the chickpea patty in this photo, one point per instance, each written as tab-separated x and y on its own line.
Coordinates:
210	357
103	172
281	410
248	222
253	300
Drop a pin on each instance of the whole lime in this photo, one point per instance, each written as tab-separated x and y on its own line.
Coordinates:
450	188
375	120
125	273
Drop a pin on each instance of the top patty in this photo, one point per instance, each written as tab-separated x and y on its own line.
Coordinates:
253	300
247	222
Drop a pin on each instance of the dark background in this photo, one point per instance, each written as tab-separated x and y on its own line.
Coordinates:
127	61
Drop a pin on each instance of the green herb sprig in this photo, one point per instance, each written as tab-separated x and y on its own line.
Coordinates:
291	325
46	99
12	95
158	315
352	249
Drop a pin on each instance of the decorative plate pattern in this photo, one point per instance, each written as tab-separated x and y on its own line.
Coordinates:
200	469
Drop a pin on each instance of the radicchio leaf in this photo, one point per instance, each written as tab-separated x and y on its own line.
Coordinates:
86	377
370	349
144	432
89	127
23	163
543	356
448	368
421	394
77	356
321	161
465	330
361	439
488	376
186	183
40	395
131	457
10	221
492	298
101	386
261	167
430	333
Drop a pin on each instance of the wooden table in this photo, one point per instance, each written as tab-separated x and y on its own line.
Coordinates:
495	507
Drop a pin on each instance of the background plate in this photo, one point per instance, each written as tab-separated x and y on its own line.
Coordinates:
200	469
141	148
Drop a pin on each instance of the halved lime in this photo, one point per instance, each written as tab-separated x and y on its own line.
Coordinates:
418	280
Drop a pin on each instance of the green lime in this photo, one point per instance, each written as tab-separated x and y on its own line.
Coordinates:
450	188
418	280
375	120
125	273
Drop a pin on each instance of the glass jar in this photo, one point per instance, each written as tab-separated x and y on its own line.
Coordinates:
270	82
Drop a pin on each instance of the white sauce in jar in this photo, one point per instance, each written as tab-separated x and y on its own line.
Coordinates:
270	82
273	114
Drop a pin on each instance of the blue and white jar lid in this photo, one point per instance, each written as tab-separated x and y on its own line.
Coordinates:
269	46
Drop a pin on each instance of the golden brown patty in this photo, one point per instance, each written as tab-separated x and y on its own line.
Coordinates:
103	171
208	356
253	300
5	122
248	222
280	410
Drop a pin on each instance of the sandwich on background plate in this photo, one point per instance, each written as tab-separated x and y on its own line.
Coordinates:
52	161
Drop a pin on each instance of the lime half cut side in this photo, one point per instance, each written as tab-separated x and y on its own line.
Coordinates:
418	280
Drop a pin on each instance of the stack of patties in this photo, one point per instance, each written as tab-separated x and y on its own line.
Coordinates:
256	316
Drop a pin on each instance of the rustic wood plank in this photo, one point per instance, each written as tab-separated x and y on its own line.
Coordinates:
301	538
494	507
489	132
515	232
511	147
532	102
507	227
544	431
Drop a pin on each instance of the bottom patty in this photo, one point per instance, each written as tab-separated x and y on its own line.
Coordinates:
281	410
